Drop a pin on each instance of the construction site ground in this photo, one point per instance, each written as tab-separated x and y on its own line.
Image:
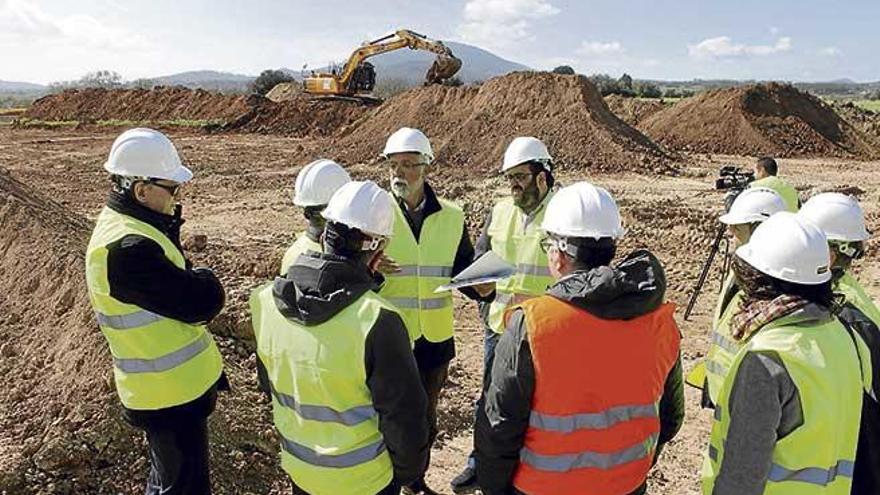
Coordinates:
240	202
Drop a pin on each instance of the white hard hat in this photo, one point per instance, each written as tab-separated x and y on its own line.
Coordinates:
144	152
409	140
526	149
789	248
583	210
838	215
753	205
364	206
317	181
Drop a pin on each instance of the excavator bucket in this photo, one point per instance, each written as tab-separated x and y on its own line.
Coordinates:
442	68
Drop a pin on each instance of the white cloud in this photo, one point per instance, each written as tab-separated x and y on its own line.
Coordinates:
599	49
724	47
501	23
22	21
774	30
830	51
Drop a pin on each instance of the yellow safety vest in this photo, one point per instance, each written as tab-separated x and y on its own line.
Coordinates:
788	193
517	240
723	348
300	246
817	457
322	408
158	362
424	265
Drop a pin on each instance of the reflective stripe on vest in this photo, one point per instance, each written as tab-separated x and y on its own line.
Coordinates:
128	321
604	439
149	350
598	460
722	341
516	238
166	362
349	459
723	347
821	360
599	420
349	417
425	264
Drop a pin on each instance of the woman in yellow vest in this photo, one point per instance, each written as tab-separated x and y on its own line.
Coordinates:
787	417
152	307
512	229
842	220
315	185
346	397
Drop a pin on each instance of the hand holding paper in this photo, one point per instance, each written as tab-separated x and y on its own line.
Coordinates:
486	269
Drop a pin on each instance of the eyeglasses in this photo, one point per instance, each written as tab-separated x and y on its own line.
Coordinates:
519	177
854	250
172	190
394	166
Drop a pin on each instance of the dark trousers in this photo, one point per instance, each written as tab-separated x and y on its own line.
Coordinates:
179	458
433	381
490	340
391	489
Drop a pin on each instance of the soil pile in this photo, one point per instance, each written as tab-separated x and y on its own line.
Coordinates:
633	110
158	104
284	91
763	119
298	116
471	126
862	119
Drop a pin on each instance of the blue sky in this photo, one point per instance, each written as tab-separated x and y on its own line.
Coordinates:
43	41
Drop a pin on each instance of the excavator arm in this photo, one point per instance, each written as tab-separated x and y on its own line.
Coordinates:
445	66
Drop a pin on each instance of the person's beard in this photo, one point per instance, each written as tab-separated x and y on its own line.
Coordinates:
526	198
400	188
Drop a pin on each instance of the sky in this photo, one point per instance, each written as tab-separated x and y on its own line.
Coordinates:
799	40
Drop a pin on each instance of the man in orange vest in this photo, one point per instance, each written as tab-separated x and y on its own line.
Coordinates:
586	384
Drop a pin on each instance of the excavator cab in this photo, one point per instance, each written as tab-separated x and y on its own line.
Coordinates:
363	79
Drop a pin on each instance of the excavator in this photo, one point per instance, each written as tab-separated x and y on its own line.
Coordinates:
358	77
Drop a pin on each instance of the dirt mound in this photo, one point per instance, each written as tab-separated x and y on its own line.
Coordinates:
864	120
633	110
158	104
284	91
772	119
298	116
471	126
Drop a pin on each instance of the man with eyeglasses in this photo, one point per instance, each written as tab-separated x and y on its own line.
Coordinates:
513	230
430	245
152	307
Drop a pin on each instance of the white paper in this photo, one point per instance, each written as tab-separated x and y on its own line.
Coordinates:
487	268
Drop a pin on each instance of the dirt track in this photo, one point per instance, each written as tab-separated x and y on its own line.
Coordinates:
240	200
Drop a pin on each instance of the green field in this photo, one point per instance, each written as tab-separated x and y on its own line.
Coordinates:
872	105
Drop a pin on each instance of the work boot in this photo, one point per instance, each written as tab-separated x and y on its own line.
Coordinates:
465	482
418	488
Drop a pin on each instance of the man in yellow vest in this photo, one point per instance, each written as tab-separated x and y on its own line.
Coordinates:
152	307
842	220
315	185
513	231
429	246
586	383
765	170
347	401
787	417
749	209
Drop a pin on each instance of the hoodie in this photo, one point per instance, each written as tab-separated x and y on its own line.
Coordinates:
634	287
315	289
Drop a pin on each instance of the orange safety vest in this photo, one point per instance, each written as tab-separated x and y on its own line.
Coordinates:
595	420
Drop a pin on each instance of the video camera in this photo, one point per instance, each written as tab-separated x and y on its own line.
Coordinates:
733	177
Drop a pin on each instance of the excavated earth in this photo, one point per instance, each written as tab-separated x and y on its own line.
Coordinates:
763	119
634	110
60	426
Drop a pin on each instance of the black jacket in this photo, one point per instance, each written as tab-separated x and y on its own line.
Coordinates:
430	355
139	273
314	290
634	287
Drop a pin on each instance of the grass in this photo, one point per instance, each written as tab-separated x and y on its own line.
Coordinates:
13	112
23	122
872	105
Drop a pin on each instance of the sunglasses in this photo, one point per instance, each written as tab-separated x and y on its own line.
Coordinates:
172	190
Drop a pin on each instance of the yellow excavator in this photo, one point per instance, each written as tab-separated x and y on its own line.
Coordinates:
357	77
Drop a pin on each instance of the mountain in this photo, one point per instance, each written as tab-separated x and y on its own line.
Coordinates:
20	87
206	79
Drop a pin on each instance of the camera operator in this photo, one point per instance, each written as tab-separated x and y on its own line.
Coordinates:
766	169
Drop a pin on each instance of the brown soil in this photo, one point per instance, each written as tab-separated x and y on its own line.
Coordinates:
298	116
166	103
764	119
470	126
864	120
634	110
284	91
